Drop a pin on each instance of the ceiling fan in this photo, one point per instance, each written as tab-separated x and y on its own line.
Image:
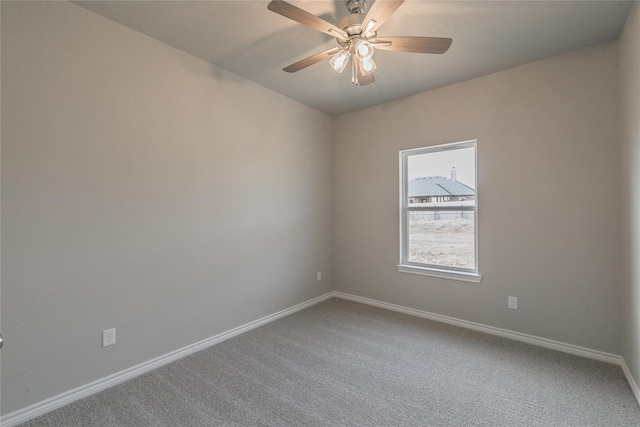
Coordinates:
357	37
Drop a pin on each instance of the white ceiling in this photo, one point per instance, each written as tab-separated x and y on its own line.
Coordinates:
247	39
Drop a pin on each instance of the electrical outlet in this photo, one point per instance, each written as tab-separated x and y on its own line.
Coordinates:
512	302
319	276
108	337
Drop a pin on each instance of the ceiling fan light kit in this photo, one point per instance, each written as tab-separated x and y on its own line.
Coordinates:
340	60
357	37
367	66
364	49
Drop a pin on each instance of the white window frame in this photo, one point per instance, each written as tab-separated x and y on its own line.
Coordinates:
444	272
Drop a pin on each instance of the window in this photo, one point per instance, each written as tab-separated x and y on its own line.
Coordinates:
438	235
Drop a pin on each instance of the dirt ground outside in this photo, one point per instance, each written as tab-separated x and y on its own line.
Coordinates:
442	242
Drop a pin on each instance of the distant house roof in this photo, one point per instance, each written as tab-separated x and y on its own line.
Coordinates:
438	186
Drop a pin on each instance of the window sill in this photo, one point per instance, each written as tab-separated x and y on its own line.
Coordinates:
442	274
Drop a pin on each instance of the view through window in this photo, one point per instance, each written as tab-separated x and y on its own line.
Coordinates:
438	204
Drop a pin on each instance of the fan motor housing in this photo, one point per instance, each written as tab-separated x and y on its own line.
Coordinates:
352	25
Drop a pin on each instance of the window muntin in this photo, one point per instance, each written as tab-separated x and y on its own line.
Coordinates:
438	204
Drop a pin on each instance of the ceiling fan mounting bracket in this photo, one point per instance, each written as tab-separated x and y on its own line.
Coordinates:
356	6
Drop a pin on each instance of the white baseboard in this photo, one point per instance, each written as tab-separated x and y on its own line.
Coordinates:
517	336
632	382
41	408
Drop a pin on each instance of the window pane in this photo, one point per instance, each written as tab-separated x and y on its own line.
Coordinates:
442	177
443	238
439	199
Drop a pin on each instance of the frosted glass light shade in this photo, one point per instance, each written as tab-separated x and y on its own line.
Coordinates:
364	49
340	60
367	66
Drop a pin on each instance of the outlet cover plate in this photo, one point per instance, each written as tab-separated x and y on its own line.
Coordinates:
108	337
512	302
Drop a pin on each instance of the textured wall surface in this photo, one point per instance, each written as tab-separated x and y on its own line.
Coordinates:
630	180
548	207
146	190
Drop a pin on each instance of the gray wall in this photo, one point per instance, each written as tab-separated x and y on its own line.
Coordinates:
548	185
150	191
630	179
146	190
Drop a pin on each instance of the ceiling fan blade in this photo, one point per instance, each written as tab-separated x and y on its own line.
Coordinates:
310	60
414	44
379	12
302	16
362	79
